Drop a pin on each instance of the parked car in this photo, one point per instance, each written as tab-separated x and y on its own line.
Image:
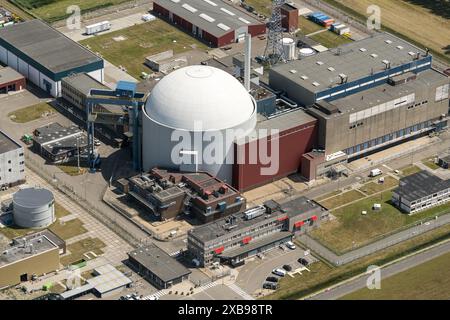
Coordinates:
270	285
303	261
287	267
290	245
272	279
279	272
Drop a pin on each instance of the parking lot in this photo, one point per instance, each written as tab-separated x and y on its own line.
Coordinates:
254	273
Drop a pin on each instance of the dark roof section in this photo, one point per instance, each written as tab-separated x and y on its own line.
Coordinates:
47	46
421	184
7	144
159	262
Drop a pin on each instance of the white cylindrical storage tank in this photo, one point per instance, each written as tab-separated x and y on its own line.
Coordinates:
306	52
191	119
33	208
289	48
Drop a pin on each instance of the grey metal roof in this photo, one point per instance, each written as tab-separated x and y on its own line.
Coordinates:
57	139
221	12
353	59
383	93
47	46
18	251
159	262
301	205
421	184
33	197
7	144
9	75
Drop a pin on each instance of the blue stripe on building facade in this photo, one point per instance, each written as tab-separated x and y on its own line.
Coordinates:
93	66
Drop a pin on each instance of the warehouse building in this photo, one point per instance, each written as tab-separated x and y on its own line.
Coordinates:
421	191
11	80
45	56
111	120
233	239
35	254
12	162
158	267
168	194
215	22
59	144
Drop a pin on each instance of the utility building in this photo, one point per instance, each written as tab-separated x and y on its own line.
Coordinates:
44	55
11	80
12	162
213	21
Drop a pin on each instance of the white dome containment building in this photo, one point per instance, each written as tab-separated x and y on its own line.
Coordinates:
33	208
186	116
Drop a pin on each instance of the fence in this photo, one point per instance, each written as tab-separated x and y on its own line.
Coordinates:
69	191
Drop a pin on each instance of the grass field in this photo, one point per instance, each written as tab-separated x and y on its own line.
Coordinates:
423	21
351	229
409	170
31	113
430	164
322	275
328	195
341	199
307	26
69	229
77	249
330	39
54	10
141	41
375	187
261	6
428	281
60	211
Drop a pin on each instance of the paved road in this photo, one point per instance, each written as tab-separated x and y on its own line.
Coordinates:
386	272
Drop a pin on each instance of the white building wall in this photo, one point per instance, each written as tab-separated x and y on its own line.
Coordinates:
3	53
14	171
23	68
12	61
98	75
33	75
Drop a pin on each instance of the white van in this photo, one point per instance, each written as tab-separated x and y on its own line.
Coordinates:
279	272
375	172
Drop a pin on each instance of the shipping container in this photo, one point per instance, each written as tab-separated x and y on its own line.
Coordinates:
98	27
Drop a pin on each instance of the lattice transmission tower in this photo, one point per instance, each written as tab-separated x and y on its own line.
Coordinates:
274	49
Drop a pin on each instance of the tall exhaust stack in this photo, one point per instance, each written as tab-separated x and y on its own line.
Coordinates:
247	61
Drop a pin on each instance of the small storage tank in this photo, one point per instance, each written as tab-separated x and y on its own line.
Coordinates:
289	48
306	52
33	208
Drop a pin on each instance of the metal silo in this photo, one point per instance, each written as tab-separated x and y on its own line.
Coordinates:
33	208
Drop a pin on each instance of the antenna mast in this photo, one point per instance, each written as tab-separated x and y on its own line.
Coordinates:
274	49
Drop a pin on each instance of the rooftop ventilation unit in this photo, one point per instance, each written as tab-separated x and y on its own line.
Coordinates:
304	77
388	41
175	1
374	55
331	69
387	63
399	47
319	63
363	49
315	84
343	77
293	71
254	212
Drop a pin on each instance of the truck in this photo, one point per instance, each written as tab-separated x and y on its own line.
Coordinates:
375	172
98	27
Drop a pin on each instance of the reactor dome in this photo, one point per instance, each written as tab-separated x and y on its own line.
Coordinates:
200	94
33	208
196	101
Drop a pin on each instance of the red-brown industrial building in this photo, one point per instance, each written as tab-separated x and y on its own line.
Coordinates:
213	21
11	80
289	15
297	136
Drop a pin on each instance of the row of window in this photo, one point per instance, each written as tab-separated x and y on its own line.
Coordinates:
386	138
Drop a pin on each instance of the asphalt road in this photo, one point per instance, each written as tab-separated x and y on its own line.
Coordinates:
386	272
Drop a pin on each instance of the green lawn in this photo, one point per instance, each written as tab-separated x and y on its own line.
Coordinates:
341	199
323	276
77	249
375	187
261	6
54	10
328	195
330	39
307	26
60	211
409	170
69	229
428	281
352	229
430	164
31	113
140	42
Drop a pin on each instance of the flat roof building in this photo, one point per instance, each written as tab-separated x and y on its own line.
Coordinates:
11	80
233	239
12	162
421	191
59	144
348	69
34	254
158	267
215	22
45	56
